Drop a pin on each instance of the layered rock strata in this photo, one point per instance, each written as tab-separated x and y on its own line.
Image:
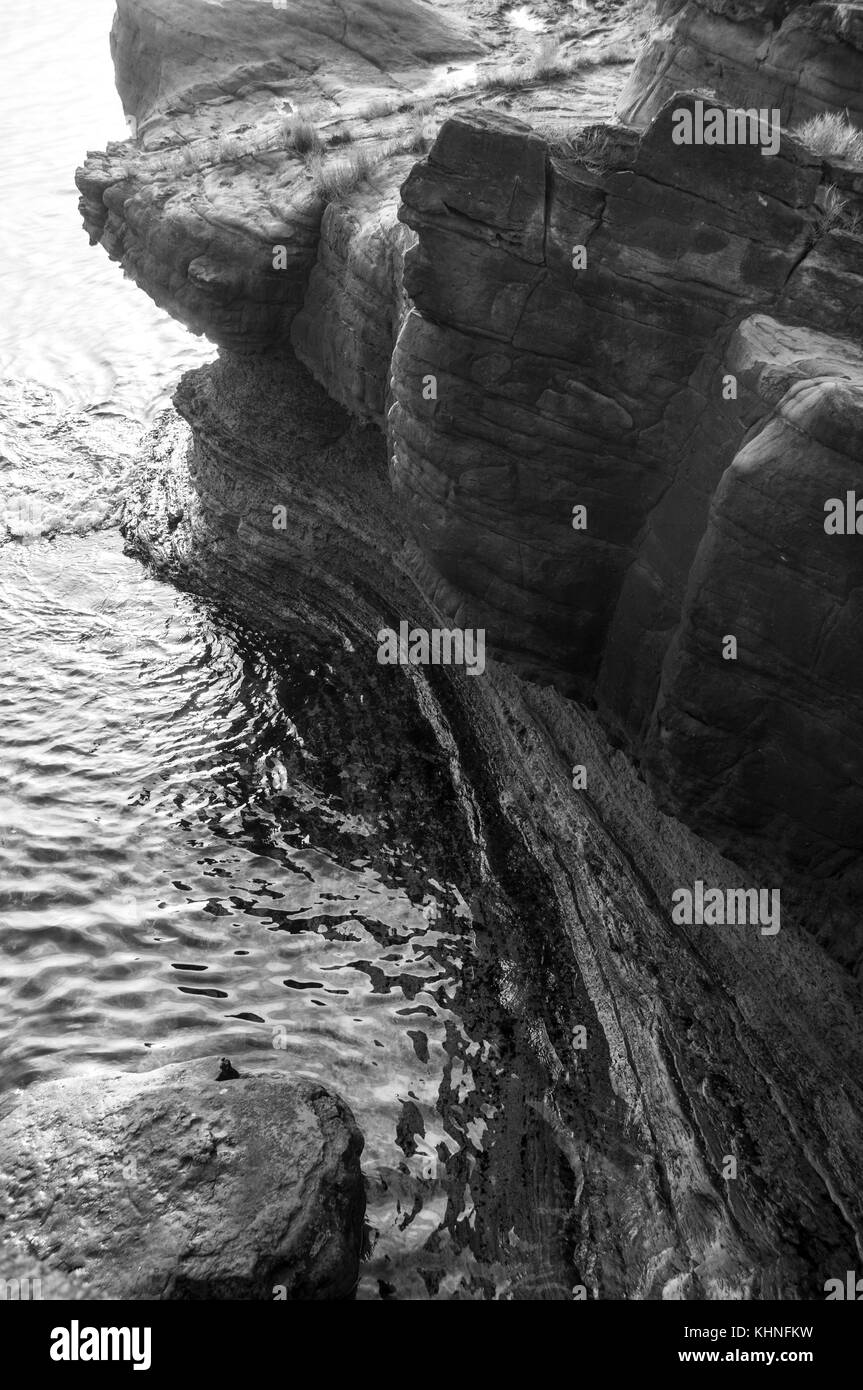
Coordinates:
676	389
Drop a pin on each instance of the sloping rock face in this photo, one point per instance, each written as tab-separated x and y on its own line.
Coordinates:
171	1185
176	55
799	57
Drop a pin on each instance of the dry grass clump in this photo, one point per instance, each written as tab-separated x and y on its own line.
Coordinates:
299	134
335	178
589	145
378	107
625	51
832	136
295	133
549	60
833	214
552	61
415	139
417	142
231	147
506	80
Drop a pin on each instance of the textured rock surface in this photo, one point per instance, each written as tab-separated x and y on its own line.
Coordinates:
172	56
772	742
553	387
169	1184
799	57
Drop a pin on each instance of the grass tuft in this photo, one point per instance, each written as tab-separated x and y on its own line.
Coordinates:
301	135
551	61
335	178
378	107
833	214
832	136
590	146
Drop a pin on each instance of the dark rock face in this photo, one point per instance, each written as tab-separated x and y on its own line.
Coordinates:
172	1185
606	387
561	386
774	745
355	302
800	57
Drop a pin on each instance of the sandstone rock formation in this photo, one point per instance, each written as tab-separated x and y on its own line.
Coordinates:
604	387
170	1185
694	381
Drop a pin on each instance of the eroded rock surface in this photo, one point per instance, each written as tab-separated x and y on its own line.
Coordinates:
172	1185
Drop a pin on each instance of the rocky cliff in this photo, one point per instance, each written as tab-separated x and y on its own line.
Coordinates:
590	390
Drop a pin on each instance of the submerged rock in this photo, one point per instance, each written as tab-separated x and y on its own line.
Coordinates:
170	1185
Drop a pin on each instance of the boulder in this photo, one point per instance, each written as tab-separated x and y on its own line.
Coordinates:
169	1184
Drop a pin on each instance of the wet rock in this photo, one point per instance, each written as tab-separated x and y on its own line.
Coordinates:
170	1185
